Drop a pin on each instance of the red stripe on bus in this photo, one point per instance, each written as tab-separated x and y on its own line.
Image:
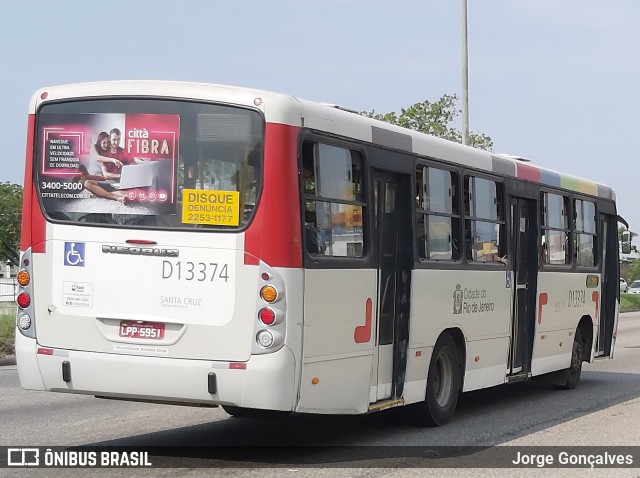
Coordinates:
528	173
250	260
33	222
595	297
25	234
542	300
275	234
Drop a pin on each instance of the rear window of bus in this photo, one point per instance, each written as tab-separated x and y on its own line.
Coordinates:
149	163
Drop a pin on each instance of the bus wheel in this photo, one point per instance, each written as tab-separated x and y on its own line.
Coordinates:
443	384
571	375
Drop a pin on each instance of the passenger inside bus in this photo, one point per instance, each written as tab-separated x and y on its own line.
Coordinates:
544	255
313	238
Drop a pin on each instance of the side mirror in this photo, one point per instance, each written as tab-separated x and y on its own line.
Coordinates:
626	242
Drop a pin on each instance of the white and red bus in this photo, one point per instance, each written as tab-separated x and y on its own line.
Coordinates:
211	245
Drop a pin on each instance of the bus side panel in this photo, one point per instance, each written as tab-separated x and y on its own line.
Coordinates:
415	387
486	363
476	302
339	340
563	299
274	235
342	386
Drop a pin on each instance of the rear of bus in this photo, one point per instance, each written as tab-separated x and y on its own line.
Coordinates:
177	277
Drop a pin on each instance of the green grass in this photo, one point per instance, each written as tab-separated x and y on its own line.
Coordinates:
7	331
629	302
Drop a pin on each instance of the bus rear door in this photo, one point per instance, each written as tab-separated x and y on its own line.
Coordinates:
523	235
392	199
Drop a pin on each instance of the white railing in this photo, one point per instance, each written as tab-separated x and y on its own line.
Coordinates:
8	289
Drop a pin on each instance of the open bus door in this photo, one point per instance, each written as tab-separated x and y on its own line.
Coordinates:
392	200
610	285
523	235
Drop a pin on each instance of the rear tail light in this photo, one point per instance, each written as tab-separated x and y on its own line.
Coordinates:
24	321
270	327
269	294
265	339
25	317
23	300
267	316
23	278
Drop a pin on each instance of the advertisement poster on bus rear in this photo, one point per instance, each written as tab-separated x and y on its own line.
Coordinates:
108	163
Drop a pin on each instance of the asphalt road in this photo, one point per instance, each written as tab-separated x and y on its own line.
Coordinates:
603	410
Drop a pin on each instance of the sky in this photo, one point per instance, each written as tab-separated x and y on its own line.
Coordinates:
556	82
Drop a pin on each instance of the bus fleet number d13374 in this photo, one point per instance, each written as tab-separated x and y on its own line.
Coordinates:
195	271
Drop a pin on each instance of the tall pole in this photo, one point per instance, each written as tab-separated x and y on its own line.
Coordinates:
465	76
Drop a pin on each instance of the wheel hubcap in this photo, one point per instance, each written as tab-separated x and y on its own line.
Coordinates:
443	380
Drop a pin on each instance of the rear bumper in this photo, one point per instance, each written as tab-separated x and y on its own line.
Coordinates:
268	381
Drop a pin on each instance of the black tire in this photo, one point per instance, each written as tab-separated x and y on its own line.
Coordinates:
571	376
443	384
253	412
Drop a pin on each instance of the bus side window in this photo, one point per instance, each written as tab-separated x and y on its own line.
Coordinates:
484	224
438	218
331	180
555	230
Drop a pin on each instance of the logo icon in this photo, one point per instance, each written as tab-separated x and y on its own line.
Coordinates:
457	300
74	254
23	457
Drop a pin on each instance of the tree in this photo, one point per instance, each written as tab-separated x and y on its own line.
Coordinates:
434	118
630	270
10	217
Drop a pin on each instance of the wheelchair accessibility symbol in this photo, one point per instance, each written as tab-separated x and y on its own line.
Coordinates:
74	254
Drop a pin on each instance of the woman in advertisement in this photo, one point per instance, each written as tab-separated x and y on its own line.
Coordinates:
99	185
